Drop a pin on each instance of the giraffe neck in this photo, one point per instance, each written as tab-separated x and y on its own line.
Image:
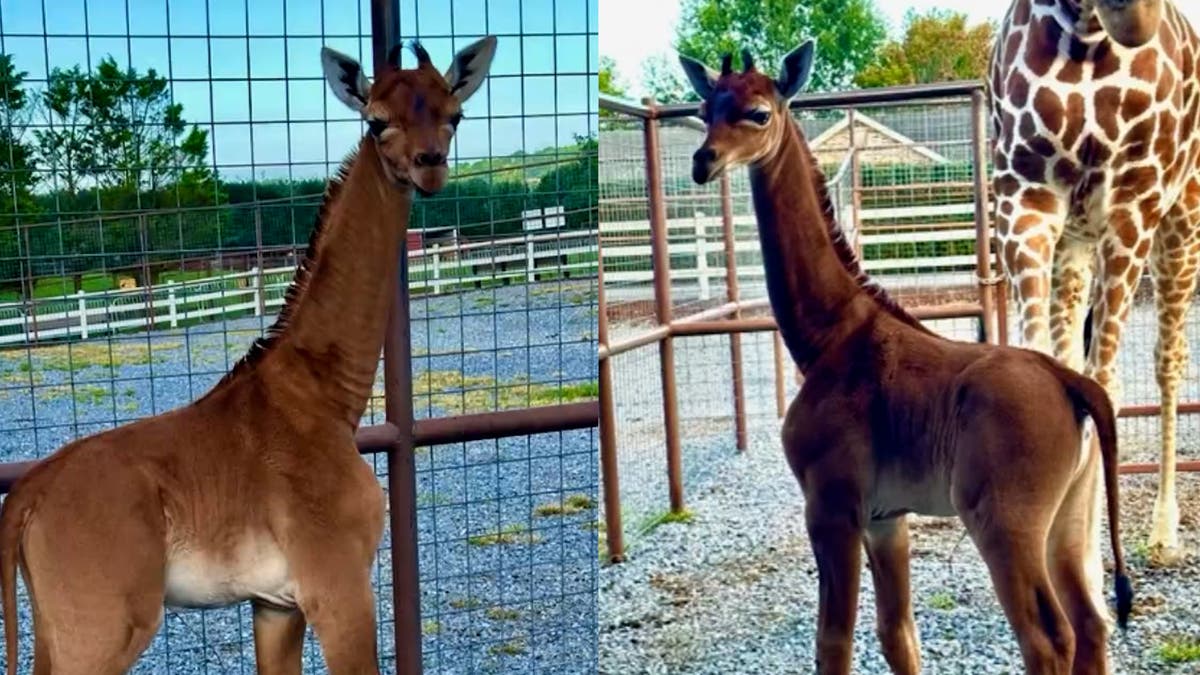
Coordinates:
817	290
325	346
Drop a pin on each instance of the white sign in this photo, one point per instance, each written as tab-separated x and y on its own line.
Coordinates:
549	218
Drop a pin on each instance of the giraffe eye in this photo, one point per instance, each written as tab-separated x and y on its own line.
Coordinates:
376	126
757	116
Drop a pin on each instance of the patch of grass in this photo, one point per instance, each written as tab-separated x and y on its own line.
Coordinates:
128	406
667	518
1180	649
566	393
942	600
464	603
570	506
426	499
484	301
74	357
510	648
512	534
597	525
91	394
502	614
431	627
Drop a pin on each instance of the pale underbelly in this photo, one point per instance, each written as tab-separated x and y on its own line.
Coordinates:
893	497
257	570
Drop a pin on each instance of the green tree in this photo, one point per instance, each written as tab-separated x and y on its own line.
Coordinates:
16	164
937	46
117	131
665	82
847	32
610	79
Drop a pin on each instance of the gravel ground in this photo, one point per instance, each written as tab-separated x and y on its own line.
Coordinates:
517	606
735	589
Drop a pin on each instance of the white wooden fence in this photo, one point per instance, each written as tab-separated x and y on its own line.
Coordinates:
627	267
438	269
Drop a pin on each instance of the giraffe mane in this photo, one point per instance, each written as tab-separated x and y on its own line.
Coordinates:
845	252
262	345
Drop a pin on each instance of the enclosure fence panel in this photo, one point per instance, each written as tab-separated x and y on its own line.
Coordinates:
908	176
163	163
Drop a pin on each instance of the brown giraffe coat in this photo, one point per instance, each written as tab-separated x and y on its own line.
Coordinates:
1097	170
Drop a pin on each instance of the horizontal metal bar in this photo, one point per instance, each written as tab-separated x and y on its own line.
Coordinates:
1190	408
506	423
757	324
1181	467
649	337
839	99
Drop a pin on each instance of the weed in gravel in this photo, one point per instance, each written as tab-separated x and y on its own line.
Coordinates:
512	534
464	603
502	614
73	357
1180	649
667	518
568	507
431	627
91	394
942	601
510	648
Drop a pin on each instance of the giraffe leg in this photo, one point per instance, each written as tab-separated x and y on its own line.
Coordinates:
1119	269
1175	259
1071	296
1029	221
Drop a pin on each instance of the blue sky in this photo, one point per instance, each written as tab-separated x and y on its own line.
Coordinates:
269	105
630	43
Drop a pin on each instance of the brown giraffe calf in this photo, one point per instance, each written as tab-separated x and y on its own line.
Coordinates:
893	419
1096	108
256	491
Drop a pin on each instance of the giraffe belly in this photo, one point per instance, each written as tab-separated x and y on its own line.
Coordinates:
255	570
895	495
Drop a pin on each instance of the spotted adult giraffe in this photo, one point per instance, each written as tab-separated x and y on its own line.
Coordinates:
255	491
1097	170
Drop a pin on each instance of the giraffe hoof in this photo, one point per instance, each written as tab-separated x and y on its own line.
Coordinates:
1163	555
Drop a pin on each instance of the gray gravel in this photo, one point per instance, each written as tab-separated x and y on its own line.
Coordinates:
735	589
515	607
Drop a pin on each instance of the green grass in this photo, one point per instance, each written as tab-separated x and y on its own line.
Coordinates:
502	614
74	357
180	276
569	506
670	517
512	534
510	648
565	393
91	394
431	627
1181	649
465	603
942	600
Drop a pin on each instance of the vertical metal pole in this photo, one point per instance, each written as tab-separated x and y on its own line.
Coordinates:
661	255
1001	303
144	240
397	374
732	294
608	430
983	225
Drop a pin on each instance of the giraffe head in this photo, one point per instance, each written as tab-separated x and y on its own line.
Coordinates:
1132	23
746	112
411	114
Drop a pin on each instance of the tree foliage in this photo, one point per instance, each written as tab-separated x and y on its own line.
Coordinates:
16	154
118	131
665	82
937	46
847	32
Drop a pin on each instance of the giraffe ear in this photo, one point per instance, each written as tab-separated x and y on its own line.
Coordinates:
346	79
470	68
702	77
797	68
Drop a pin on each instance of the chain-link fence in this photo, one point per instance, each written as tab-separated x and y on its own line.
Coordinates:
162	166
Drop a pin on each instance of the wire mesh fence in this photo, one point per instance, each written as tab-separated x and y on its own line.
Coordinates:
903	181
163	164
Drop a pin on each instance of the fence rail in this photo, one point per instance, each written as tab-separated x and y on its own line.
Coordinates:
441	268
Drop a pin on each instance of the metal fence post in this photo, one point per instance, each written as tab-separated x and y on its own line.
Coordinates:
732	294
83	324
661	260
615	535
855	223
983	226
397	378
260	296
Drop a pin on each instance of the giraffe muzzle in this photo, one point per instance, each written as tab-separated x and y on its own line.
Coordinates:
705	166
